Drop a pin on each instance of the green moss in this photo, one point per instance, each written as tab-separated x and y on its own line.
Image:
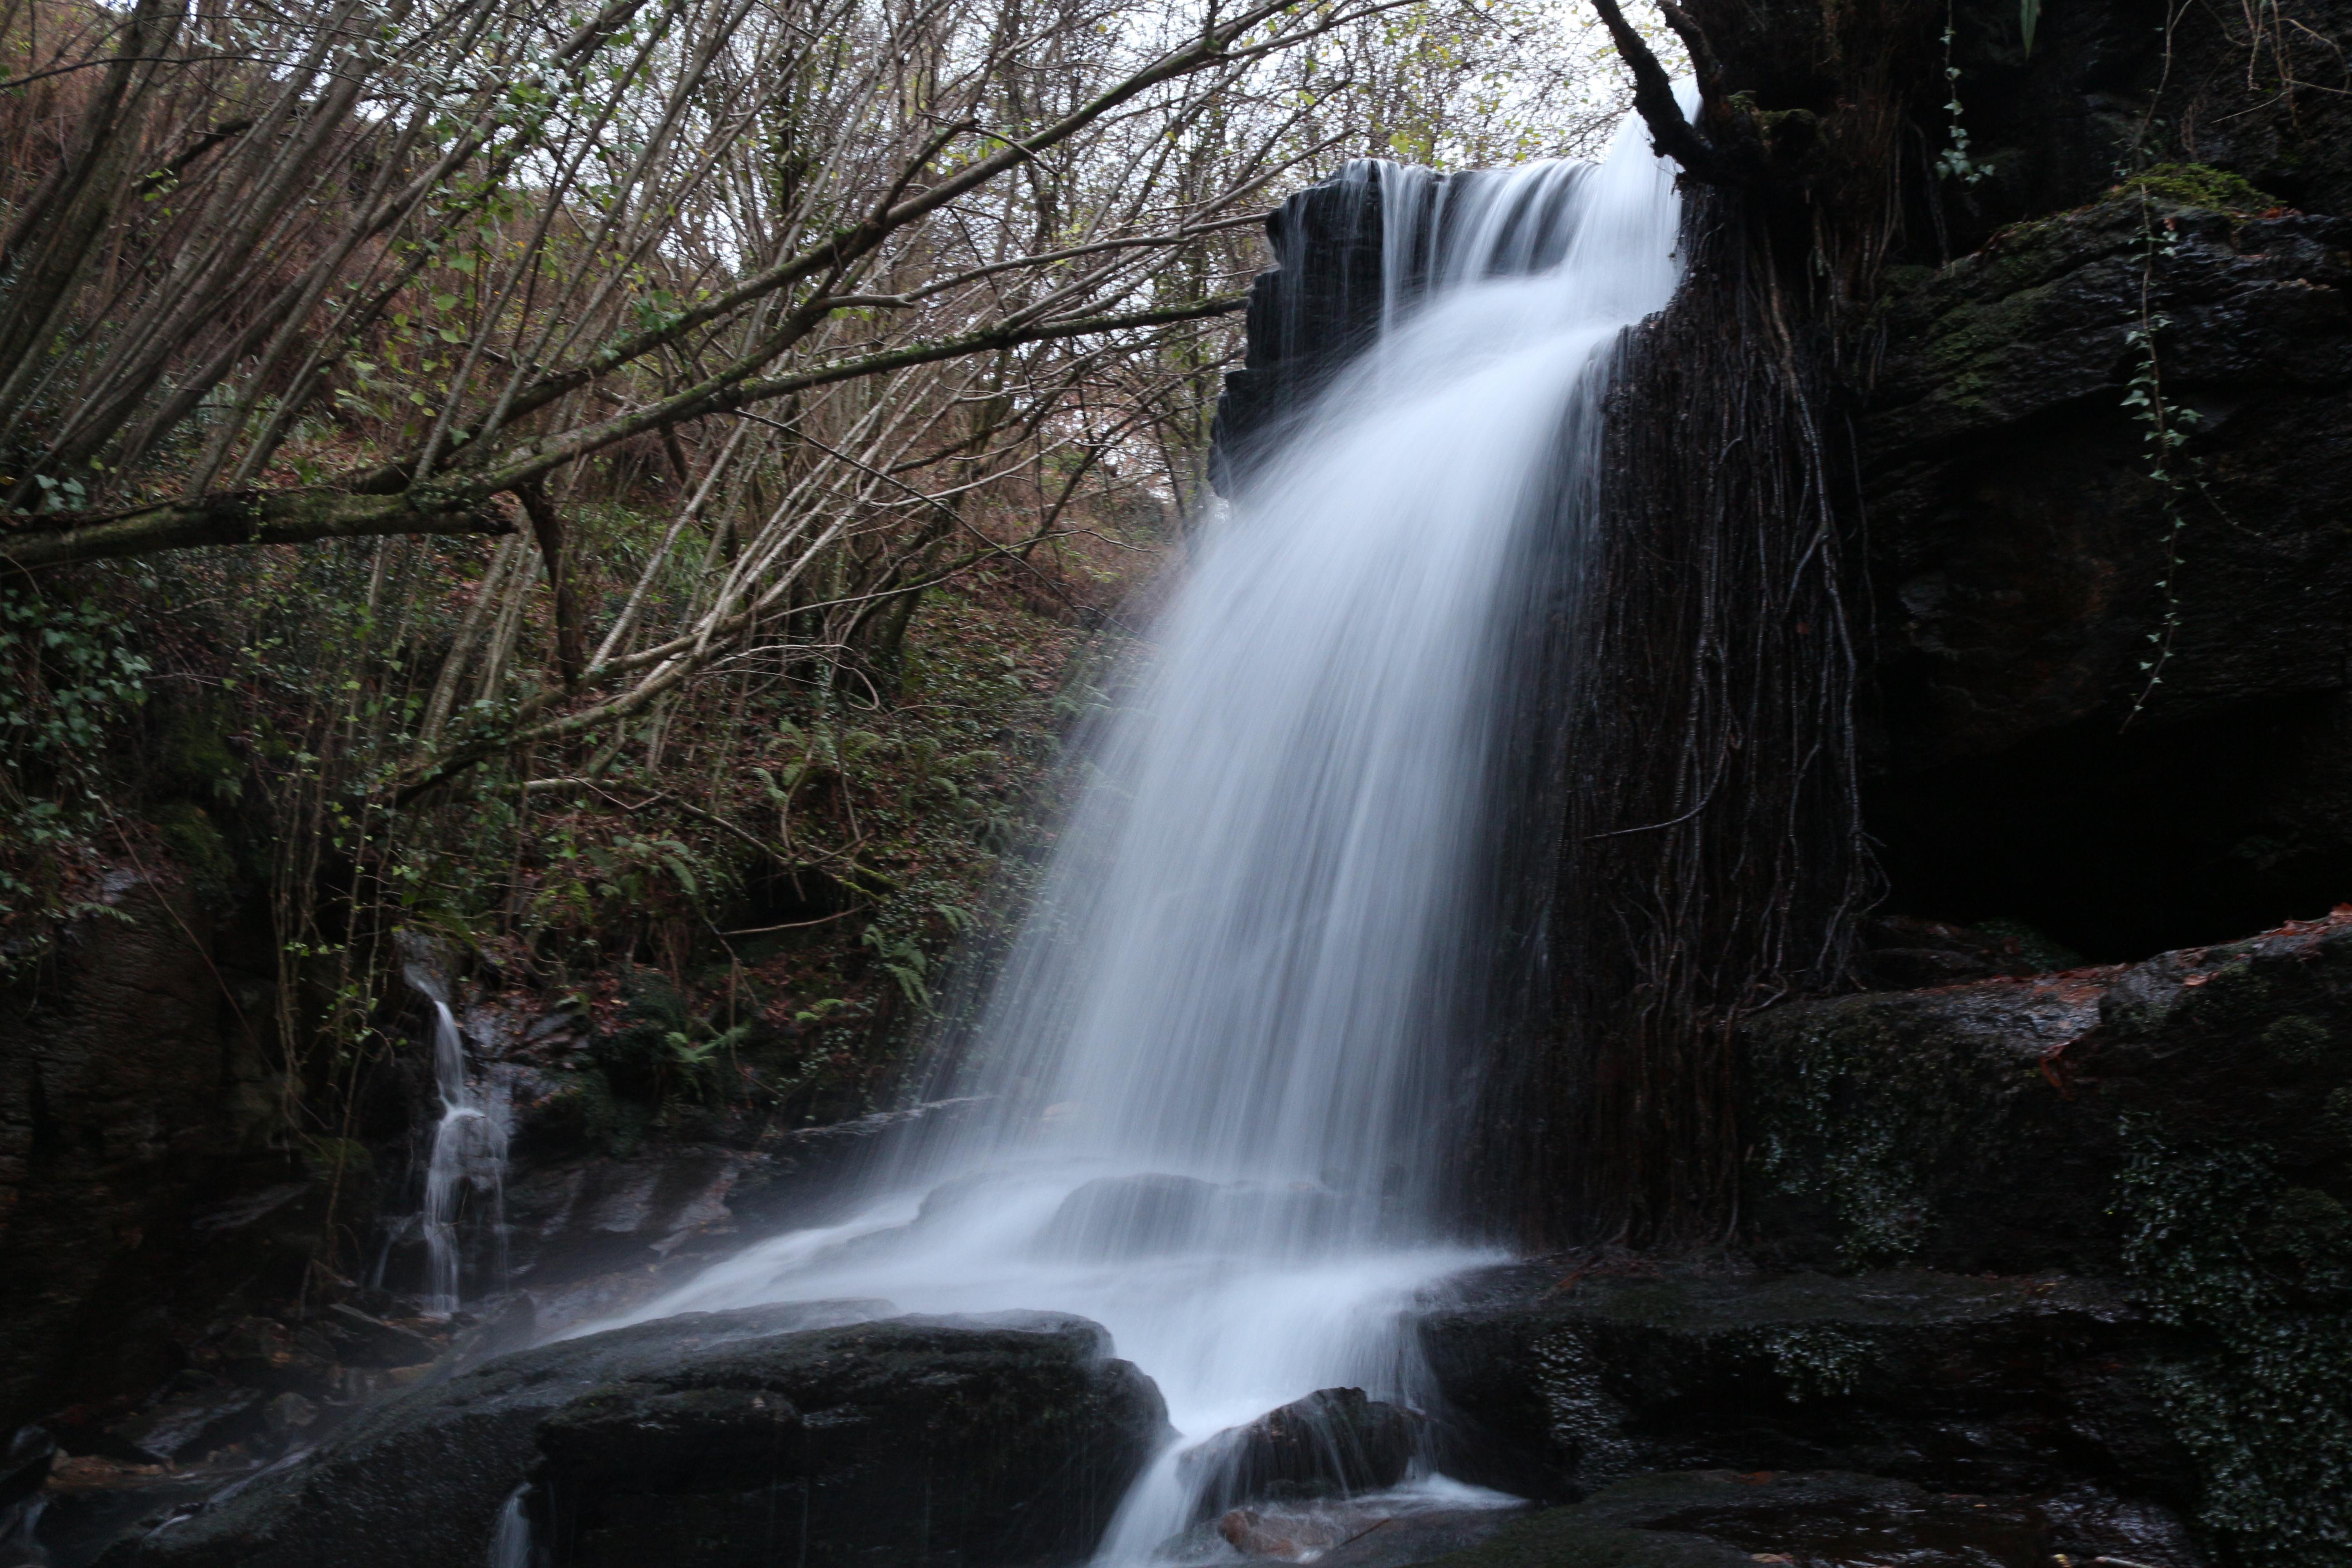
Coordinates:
2298	1041
1817	1361
338	1159
2199	185
2254	1270
192	756
1842	1107
197	845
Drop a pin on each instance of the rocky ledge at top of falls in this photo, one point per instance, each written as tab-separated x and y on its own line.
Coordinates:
720	1438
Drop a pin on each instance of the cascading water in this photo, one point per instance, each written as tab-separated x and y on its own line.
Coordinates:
1222	1054
467	1169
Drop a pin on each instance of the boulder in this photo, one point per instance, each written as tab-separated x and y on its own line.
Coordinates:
693	1439
975	1441
1334	1442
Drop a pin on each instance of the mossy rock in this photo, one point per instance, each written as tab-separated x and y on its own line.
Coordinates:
188	756
198	847
2255	1269
1561	1380
2199	185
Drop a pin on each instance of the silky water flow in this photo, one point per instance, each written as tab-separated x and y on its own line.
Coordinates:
466	1170
1217	1069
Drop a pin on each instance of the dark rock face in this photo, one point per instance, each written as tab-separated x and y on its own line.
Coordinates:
699	1439
2182	1127
2021	548
1559	1383
1716	1519
1331	1443
129	1088
2130	1188
1994	1126
1308	314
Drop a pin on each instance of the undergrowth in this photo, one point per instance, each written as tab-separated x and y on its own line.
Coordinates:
739	904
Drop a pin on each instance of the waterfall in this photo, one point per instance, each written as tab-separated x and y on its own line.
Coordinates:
469	1162
510	1545
1225	1056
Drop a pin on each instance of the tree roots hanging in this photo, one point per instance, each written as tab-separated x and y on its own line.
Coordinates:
1710	852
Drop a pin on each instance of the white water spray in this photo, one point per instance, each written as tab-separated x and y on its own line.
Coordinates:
467	1169
1223	1053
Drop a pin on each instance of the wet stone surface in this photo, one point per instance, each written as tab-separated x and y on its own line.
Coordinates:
694	1440
1332	1443
1718	1519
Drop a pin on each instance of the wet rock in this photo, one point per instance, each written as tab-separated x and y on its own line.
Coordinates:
420	1478
1130	1217
25	1465
1557	1380
1899	953
92	1502
365	1341
573	1218
1331	1443
1718	1519
1989	1127
681	1441
187	1425
128	1086
594	1233
1005	1439
1387	1532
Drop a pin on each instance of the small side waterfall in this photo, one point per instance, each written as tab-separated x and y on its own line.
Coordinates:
1225	1058
510	1545
465	1172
